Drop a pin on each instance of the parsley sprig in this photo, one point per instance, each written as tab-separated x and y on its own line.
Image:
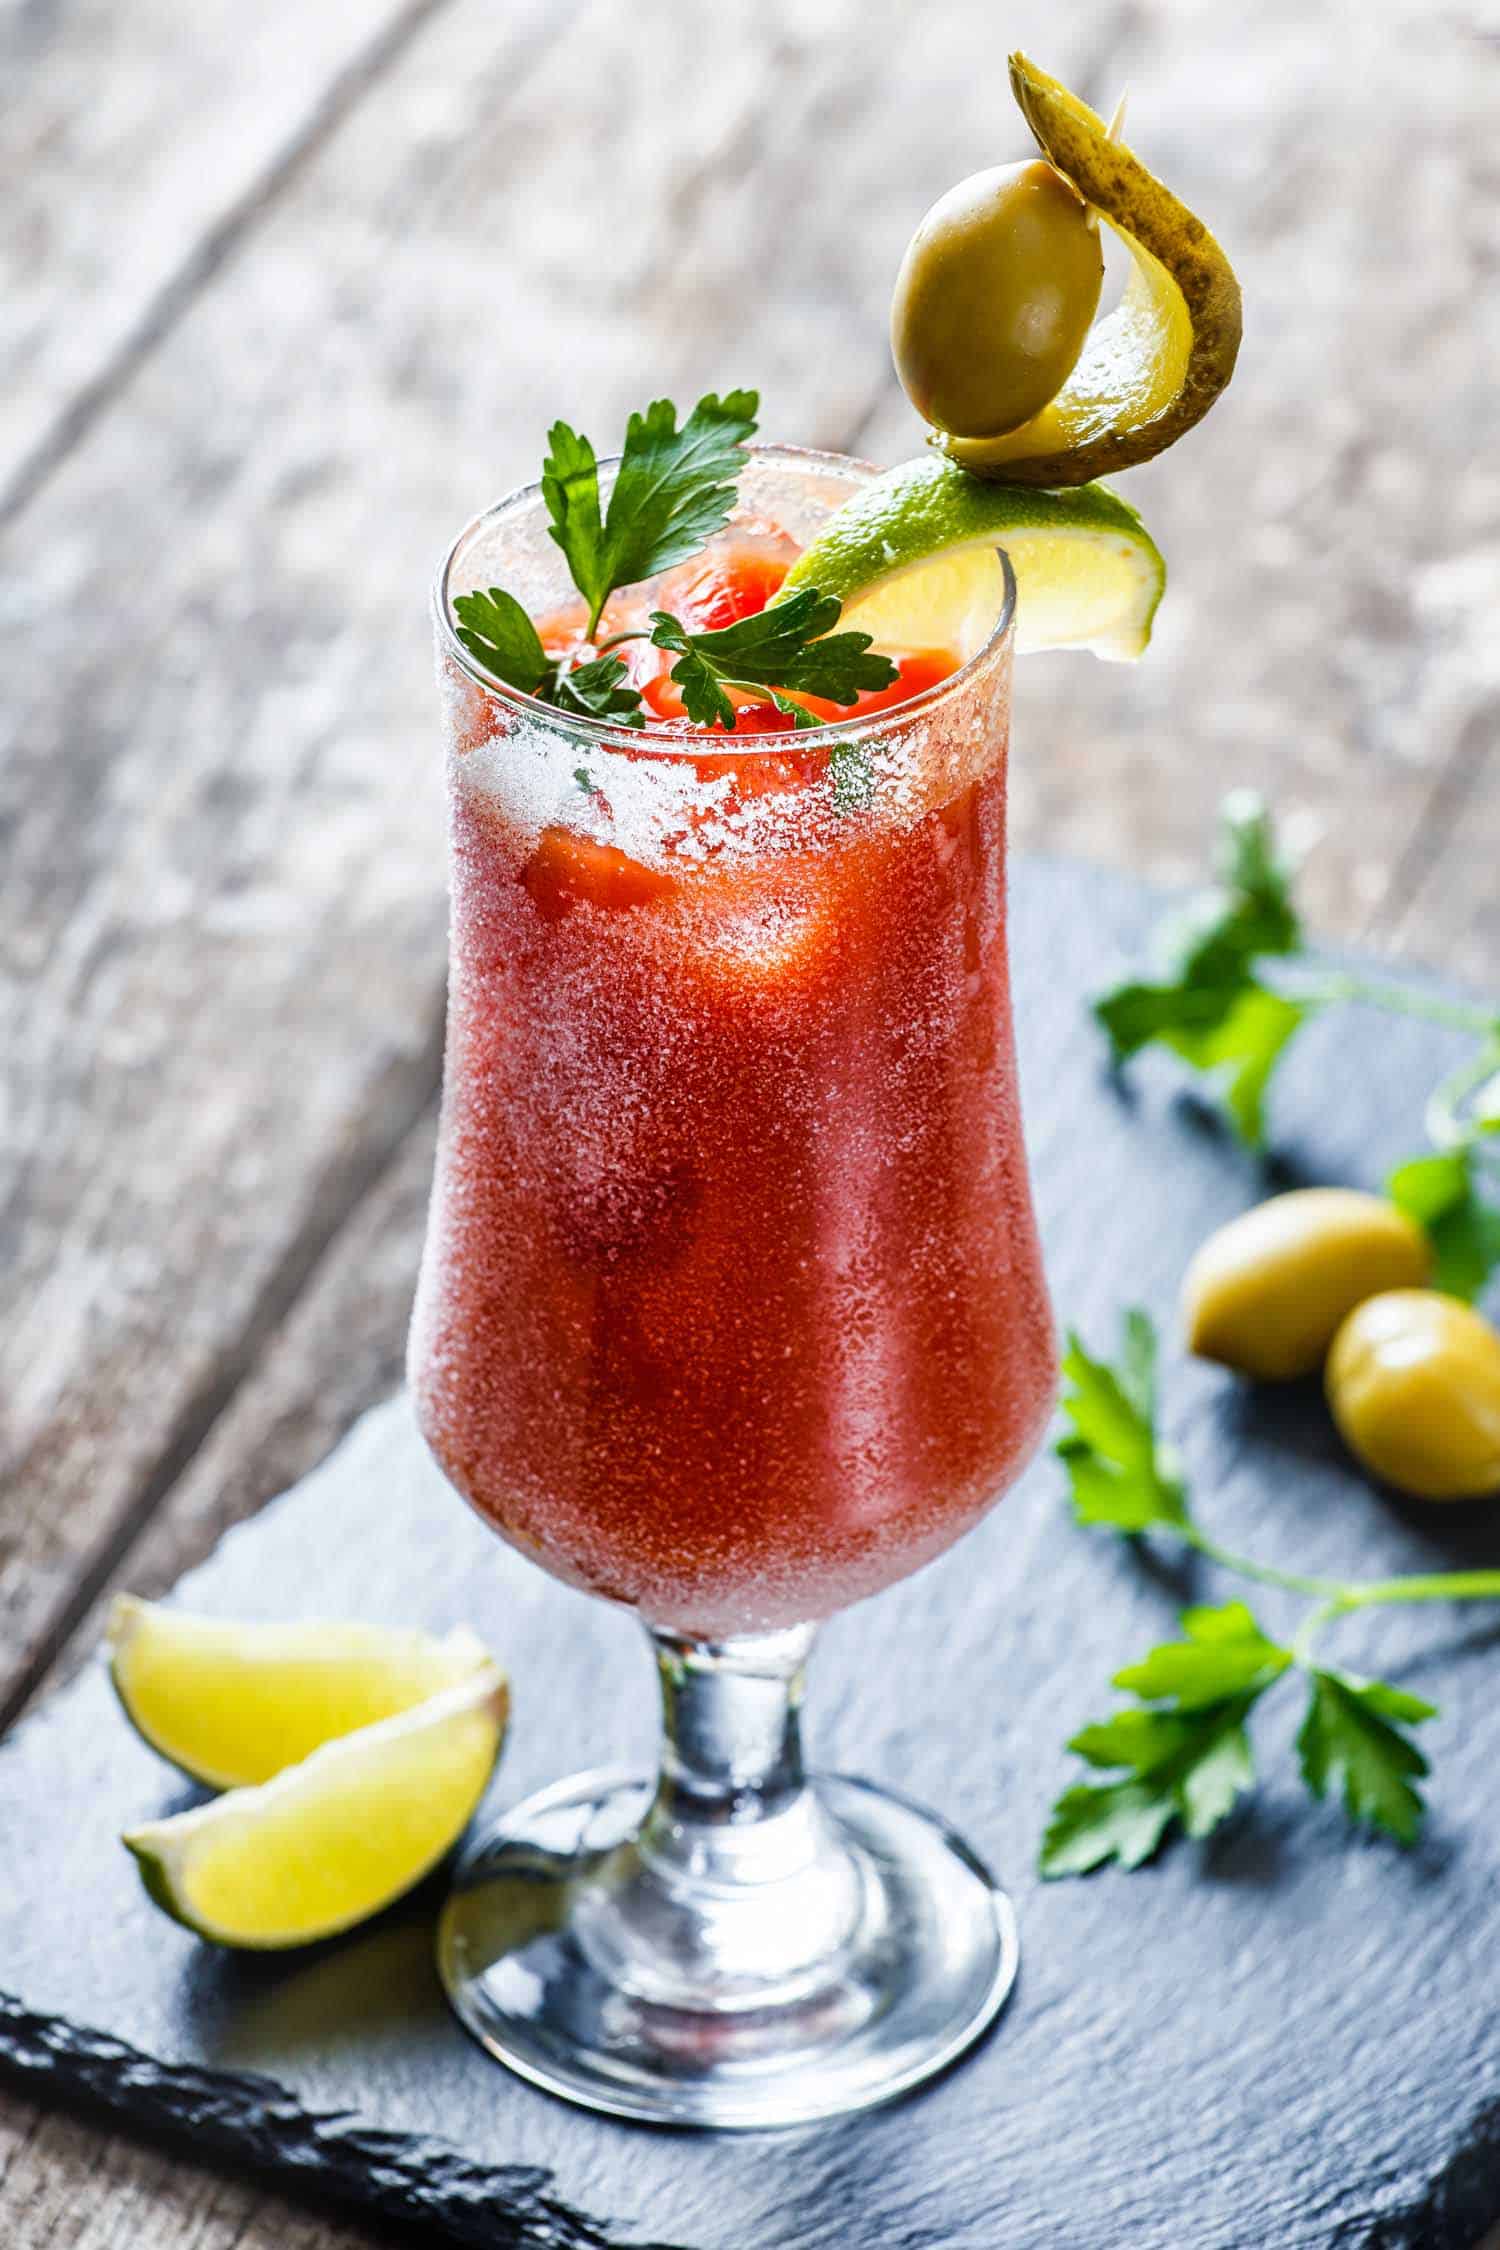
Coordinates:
1235	986
495	628
1210	1004
673	491
788	647
1181	1752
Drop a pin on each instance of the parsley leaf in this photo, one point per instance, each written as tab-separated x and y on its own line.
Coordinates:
1225	1653
1189	1769
1241	1051
1350	1741
1189	1762
570	490
1441	1194
495	628
1119	1472
595	691
673	490
1208	1005
785	647
852	774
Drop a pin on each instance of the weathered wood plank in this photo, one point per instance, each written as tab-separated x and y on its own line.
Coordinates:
135	154
68	2184
340	1352
226	936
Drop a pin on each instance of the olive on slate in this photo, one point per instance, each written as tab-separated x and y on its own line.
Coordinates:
994	299
1266	1293
1414	1384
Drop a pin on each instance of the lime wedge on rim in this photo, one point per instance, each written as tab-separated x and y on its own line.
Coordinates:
912	556
231	1703
333	1840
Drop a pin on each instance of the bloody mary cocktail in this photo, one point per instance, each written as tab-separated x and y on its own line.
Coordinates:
731	1308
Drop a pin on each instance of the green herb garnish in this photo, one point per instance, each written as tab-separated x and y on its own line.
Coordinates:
1442	1193
1182	1752
1184	1749
787	647
1209	1005
1237	984
495	628
673	491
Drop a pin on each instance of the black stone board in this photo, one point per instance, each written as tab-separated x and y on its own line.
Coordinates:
1282	2039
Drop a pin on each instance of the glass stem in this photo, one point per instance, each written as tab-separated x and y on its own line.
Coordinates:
731	1721
737	1881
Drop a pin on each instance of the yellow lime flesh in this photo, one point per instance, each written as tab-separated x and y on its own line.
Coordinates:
232	1703
913	558
331	1841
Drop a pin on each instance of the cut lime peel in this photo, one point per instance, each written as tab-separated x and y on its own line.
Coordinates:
1088	573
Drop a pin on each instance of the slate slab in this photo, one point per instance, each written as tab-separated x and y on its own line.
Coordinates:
1284	2038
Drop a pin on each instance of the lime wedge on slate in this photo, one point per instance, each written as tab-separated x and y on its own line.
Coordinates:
333	1840
233	1703
912	558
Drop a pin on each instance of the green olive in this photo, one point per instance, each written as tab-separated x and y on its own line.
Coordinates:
1414	1384
1266	1293
994	299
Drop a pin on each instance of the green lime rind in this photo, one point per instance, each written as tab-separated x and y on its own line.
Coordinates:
1087	569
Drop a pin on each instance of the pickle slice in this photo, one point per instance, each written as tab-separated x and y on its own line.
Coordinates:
1152	367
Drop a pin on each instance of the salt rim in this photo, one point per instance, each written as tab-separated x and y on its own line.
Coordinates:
743	741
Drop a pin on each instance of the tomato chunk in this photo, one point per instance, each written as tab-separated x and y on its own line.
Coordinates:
735	584
567	870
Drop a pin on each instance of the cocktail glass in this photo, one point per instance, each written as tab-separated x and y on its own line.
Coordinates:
732	1312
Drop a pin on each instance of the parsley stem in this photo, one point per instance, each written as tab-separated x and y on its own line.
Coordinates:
1424	1586
1339	1596
1265	1574
602	648
1419	1586
1445	1127
1397	999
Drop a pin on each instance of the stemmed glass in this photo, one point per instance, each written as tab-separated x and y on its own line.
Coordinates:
732	1312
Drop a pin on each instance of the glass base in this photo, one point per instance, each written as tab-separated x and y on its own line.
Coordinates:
585	1962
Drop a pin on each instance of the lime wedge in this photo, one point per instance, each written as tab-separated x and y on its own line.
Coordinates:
333	1840
913	559
1154	366
233	1703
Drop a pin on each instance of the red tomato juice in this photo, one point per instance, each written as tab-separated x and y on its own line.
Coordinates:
732	1307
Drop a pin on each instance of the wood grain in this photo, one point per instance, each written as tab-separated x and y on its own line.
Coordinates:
74	2184
340	1351
135	156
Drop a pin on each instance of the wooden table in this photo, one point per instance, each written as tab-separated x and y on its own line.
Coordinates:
287	293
